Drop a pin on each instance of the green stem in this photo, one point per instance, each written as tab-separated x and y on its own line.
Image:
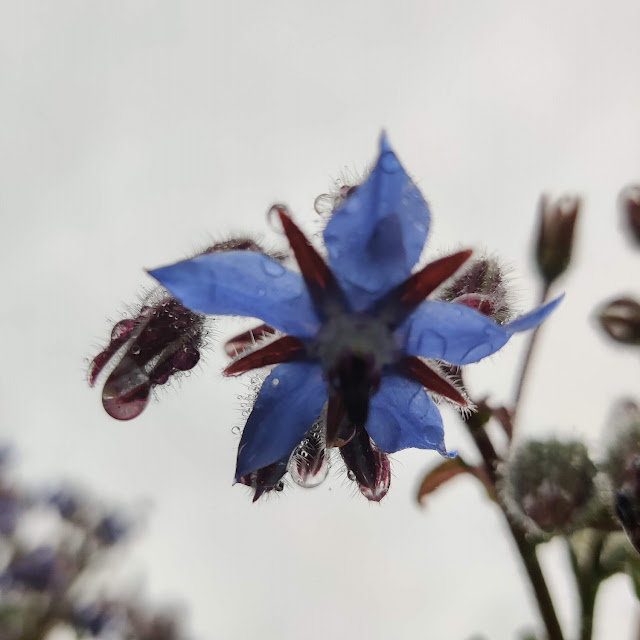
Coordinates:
588	579
527	360
525	548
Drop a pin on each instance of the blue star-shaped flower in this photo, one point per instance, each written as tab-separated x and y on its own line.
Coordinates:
357	329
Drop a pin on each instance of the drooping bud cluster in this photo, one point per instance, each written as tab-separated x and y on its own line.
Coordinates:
162	340
552	484
481	287
620	319
555	236
622	466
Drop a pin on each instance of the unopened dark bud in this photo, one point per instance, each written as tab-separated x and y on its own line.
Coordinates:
164	339
267	478
367	466
630	206
552	484
621	320
555	235
481	287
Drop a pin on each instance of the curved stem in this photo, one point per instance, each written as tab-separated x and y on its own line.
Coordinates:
526	549
527	360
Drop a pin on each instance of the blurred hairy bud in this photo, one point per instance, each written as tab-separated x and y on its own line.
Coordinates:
367	466
621	320
630	207
555	235
622	466
552	484
481	287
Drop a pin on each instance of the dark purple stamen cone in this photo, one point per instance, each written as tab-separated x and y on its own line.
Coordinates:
164	339
267	479
355	378
367	466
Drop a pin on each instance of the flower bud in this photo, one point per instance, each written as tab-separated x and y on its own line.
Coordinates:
621	320
622	466
630	206
555	236
552	484
367	466
481	287
163	339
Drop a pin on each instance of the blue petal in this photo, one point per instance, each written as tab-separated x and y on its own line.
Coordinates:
402	415
290	400
376	236
460	335
242	283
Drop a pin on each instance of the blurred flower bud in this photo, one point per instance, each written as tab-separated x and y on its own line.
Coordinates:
555	235
111	529
621	320
630	206
367	466
481	287
164	339
38	570
91	618
552	484
622	466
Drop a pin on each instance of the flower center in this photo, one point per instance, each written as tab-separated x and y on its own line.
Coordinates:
353	349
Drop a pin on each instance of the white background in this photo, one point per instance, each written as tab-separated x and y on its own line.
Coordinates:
131	132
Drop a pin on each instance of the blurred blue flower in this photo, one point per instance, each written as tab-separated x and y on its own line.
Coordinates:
359	327
37	570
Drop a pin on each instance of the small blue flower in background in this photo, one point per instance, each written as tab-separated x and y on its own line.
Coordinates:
356	359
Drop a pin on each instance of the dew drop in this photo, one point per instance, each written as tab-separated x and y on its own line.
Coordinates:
135	350
236	431
275	382
273	268
261	292
351	475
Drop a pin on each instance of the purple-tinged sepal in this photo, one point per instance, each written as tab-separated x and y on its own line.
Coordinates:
367	466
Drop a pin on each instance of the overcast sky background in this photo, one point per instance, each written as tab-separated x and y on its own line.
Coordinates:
133	131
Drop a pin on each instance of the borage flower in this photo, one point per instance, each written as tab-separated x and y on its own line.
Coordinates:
355	363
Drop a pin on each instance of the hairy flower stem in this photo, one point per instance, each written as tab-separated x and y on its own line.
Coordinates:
527	361
525	548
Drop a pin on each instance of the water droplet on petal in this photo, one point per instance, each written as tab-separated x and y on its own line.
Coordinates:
273	268
275	382
135	350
